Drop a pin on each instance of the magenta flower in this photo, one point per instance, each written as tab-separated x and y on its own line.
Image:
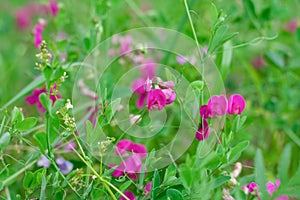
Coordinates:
138	87
148	70
217	105
170	95
205	112
37	32
258	62
156	100
133	163
252	187
64	165
273	187
125	46
53	7
147	188
34	98
129	195
203	131
43	162
236	104
291	26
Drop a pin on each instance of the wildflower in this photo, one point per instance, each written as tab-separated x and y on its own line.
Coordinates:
37	32
70	146
236	104
64	165
205	112
129	195
170	95
156	100
252	187
43	162
258	62
237	169
147	188
134	119
34	98
203	131
125	46
217	105
53	7
291	26
181	60
132	154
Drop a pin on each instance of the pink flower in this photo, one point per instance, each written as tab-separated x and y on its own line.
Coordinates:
37	32
252	187
133	163
205	112
23	18
138	87
148	70
156	100
181	60
291	26
125	46
70	146
203	131
258	62
273	187
236	104
53	7
217	105
34	98
170	95
147	188
129	195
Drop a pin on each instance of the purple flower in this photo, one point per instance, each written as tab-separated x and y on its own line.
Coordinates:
129	195
236	104
70	146
203	131
205	112
64	165
43	162
217	105
156	100
252	187
181	60
34	98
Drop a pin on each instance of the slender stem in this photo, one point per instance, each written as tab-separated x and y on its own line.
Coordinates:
78	143
48	136
104	182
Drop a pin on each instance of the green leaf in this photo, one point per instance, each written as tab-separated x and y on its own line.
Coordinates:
276	58
295	180
111	109
259	171
26	124
87	191
58	104
219	182
226	59
236	151
174	194
155	184
16	115
43	188
46	102
47	73
125	185
28	180
284	164
41	139
186	175
4	140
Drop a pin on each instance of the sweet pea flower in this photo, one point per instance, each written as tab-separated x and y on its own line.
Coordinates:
129	195
181	60
271	188
34	98
132	154
43	162
291	26
53	7
64	165
38	31
217	105
203	131
252	187
205	112
170	95
147	188
236	104
156	100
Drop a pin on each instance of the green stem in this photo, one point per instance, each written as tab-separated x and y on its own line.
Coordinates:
104	182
